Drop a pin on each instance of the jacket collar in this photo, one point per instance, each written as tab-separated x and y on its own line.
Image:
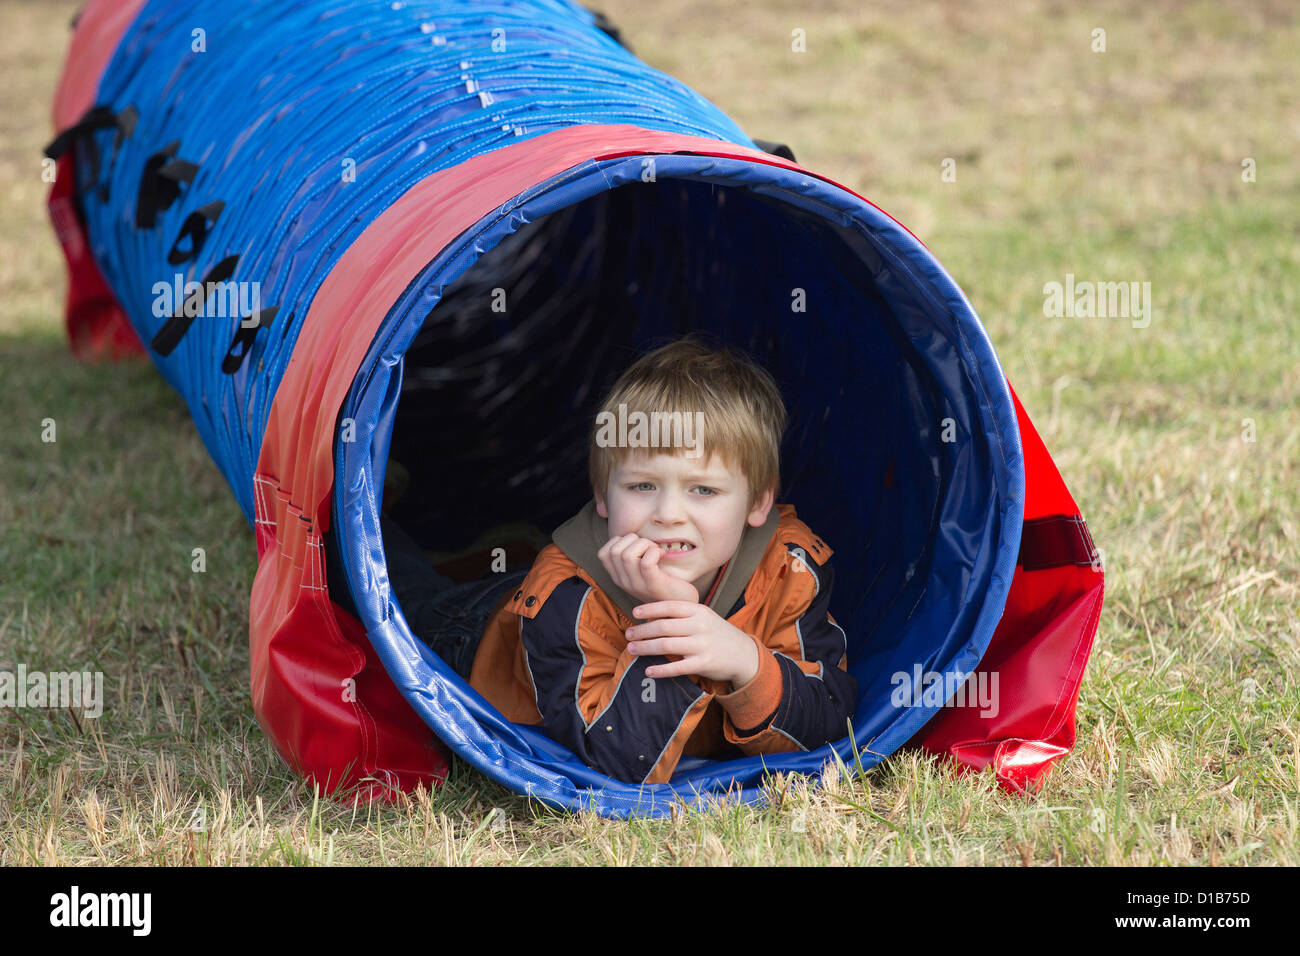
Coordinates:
587	532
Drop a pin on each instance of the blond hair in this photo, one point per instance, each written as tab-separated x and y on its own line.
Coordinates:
742	411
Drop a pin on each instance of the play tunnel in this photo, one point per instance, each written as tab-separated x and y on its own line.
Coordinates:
392	254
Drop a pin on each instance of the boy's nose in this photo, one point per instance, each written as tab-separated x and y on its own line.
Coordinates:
669	509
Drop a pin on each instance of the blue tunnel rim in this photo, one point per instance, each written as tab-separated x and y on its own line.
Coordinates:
498	747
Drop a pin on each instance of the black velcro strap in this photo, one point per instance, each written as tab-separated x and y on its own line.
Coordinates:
606	26
776	149
94	119
243	340
174	329
1055	542
160	183
179	171
126	121
196	228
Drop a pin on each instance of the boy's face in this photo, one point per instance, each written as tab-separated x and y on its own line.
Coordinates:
669	498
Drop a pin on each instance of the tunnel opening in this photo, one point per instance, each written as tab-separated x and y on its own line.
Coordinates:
481	427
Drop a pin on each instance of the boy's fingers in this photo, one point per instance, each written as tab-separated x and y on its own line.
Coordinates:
654	572
663	627
632	551
656	577
671	669
633	562
623	542
661	646
664	609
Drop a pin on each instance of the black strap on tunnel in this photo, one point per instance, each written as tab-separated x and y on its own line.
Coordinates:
1055	542
243	340
92	121
160	183
174	329
606	26
196	227
776	149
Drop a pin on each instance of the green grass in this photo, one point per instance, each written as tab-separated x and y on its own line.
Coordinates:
1116	166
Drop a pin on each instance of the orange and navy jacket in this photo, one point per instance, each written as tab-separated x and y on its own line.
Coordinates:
554	653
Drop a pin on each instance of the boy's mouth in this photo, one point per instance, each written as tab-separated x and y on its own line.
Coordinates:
675	546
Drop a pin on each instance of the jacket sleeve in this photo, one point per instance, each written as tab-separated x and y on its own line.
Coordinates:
595	697
796	705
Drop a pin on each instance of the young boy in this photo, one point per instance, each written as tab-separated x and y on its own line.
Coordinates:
679	611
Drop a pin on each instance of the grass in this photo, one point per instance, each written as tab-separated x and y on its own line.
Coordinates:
1118	166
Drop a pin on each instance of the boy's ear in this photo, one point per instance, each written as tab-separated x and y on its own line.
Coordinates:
762	507
600	506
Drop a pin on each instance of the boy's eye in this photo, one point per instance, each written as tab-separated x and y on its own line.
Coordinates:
649	486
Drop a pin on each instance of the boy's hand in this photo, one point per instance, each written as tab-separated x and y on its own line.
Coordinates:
633	563
709	646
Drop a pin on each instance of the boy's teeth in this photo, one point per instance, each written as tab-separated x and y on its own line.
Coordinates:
677	546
